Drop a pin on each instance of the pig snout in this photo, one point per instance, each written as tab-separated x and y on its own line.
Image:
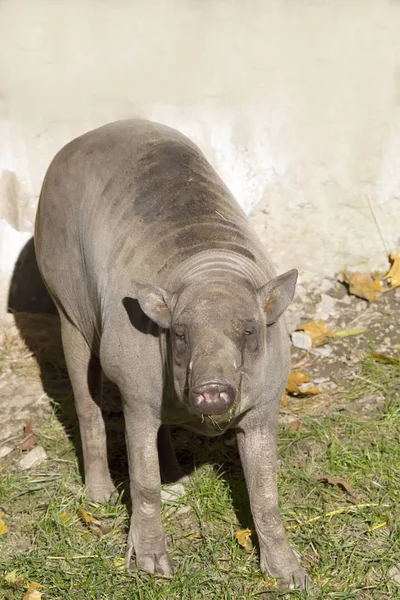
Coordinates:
212	398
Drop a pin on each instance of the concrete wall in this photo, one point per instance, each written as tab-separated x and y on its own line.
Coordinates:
295	102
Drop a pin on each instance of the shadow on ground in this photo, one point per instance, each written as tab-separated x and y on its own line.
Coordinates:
38	323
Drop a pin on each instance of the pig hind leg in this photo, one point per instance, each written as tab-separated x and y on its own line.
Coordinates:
86	375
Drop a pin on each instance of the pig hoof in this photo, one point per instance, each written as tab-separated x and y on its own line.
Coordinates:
102	492
297	579
155	563
290	576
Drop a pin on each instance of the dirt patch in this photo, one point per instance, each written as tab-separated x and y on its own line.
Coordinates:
22	395
32	368
337	363
33	373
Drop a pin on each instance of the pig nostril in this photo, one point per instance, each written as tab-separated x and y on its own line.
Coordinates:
202	398
224	396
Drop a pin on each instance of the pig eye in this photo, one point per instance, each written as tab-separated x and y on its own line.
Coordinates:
249	330
180	340
249	339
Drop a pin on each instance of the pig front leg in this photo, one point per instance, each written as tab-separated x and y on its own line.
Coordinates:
257	442
146	535
170	469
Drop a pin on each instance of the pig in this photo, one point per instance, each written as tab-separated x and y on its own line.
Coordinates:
162	285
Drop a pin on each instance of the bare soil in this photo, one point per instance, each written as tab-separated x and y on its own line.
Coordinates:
33	373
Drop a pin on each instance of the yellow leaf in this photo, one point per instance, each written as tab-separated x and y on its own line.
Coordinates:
32	593
243	537
87	517
394	272
311	391
318	332
297	379
14	580
3	526
11	577
65	518
364	285
119	563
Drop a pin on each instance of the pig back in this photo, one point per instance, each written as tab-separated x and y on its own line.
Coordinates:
130	201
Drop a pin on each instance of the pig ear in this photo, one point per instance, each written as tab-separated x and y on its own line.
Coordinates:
277	294
155	303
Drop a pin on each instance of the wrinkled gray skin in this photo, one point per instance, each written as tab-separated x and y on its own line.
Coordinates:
162	285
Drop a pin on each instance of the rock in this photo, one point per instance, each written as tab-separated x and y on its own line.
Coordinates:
371	404
319	380
34	458
321	316
172	493
323	351
287	418
394	574
183	510
361	305
293	318
325	285
5	450
301	340
301	290
346	300
326	306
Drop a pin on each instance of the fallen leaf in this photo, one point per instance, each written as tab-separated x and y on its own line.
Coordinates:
318	332
385	359
32	593
30	439
342	333
295	426
194	535
364	285
310	391
14	580
87	517
284	400
243	537
119	563
342	483
3	526
296	382
394	272
65	518
296	378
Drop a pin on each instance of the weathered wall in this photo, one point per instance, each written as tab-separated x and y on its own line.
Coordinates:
296	103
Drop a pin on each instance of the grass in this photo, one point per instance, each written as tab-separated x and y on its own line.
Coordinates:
348	548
